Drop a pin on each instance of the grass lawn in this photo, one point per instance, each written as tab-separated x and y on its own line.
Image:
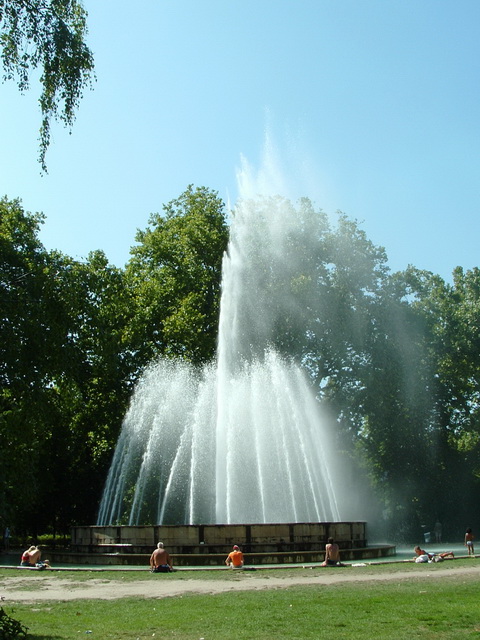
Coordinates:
425	607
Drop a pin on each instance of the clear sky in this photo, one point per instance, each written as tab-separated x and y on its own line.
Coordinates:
373	106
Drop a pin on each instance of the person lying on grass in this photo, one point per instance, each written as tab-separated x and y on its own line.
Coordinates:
423	556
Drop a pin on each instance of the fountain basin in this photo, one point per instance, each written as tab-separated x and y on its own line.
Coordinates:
208	545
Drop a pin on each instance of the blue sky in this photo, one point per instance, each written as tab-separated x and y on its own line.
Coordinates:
373	107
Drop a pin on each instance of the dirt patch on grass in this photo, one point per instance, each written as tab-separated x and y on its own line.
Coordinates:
51	586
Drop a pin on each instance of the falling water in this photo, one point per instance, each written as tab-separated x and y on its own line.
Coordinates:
242	440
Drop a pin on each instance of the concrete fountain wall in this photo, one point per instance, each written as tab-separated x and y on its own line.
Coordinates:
208	545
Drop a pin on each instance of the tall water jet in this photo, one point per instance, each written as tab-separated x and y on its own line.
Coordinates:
242	440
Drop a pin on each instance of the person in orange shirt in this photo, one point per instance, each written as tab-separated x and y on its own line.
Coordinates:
235	558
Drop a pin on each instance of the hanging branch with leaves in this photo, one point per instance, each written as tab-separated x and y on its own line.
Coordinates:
48	35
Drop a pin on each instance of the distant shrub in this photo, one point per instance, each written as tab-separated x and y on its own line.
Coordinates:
49	540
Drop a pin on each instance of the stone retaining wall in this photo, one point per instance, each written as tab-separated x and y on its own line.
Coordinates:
218	539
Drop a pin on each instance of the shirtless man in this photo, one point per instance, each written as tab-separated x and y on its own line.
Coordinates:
332	554
160	560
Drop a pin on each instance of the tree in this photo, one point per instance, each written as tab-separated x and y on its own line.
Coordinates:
29	328
50	35
453	316
65	374
76	335
89	397
174	275
396	407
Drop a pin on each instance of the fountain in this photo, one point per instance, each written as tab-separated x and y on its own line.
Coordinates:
242	440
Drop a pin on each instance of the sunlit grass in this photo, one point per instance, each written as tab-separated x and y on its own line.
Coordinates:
226	574
424	607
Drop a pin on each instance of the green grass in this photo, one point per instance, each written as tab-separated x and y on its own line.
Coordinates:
425	607
184	574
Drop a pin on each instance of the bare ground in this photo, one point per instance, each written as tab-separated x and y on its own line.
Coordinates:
44	586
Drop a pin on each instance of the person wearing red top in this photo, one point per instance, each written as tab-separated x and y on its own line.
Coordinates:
30	557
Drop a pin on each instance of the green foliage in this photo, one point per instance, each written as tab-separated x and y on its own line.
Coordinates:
11	629
49	35
65	374
75	337
26	349
174	278
452	313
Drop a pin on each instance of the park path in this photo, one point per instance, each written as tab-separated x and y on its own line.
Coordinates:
50	586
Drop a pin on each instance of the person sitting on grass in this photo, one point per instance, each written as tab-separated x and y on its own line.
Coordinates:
30	557
160	560
235	558
332	554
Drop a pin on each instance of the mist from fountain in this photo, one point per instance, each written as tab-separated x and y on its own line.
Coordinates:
242	440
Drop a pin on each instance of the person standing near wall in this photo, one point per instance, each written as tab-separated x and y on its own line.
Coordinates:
6	539
469	538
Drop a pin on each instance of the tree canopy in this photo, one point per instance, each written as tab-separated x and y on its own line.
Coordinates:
174	275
